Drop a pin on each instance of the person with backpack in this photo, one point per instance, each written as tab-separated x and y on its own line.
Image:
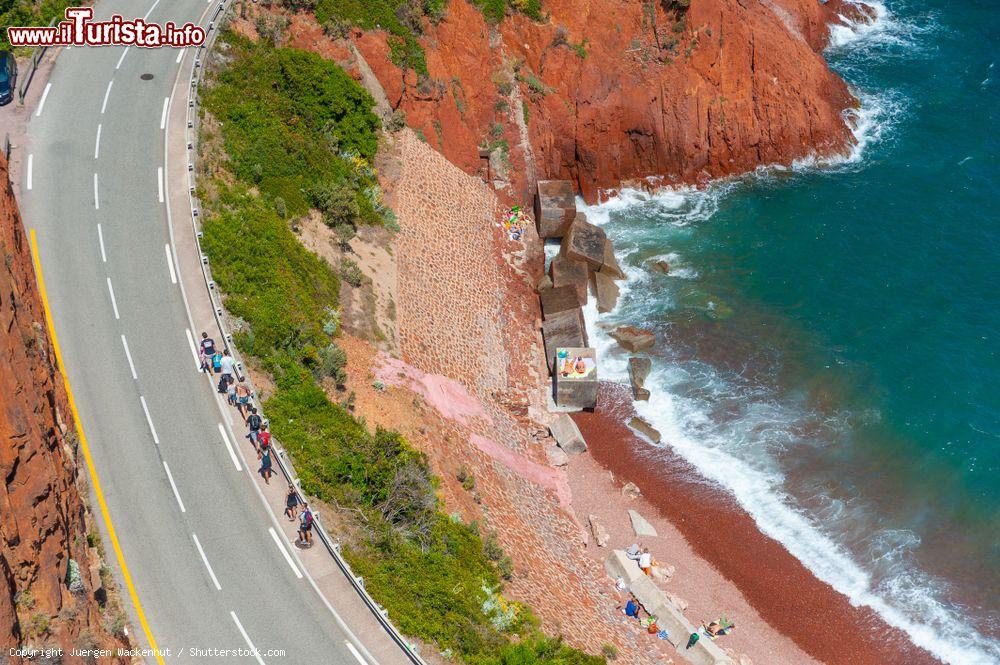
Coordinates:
265	466
216	362
254	422
206	350
263	440
305	525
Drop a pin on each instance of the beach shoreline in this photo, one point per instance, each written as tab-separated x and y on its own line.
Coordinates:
815	616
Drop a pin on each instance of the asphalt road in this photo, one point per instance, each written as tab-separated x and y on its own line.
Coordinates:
209	575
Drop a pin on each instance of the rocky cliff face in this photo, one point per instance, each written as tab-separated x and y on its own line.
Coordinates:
42	516
608	91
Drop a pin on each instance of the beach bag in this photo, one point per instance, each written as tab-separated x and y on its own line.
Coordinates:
692	640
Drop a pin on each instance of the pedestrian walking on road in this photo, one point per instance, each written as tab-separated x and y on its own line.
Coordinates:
263	440
228	365
265	466
292	502
243	397
206	351
231	392
305	525
254	422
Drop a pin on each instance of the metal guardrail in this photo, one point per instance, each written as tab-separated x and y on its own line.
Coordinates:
36	57
191	140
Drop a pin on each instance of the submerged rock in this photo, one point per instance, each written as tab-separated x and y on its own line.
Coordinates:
644	428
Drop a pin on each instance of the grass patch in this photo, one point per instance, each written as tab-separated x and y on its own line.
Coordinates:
495	10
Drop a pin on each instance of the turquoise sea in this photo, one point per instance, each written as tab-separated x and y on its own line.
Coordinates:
828	332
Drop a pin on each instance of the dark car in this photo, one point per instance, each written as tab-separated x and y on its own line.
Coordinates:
8	77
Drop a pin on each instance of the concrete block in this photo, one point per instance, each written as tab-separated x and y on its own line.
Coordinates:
585	242
555	207
566	329
641	526
610	266
605	291
567	272
633	339
619	565
568	435
558	299
575	377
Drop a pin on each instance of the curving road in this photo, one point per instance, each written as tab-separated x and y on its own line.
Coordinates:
211	566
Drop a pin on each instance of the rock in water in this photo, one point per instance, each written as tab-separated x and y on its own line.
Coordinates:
641	526
662	266
605	290
568	435
601	534
638	370
633	339
631	491
644	428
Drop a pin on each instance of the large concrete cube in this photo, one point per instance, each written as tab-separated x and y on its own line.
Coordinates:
558	299
555	207
605	291
565	329
567	272
585	242
575	377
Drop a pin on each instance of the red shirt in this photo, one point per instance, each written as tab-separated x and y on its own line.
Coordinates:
264	439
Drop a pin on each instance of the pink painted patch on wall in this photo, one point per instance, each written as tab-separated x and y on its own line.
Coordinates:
448	397
546	476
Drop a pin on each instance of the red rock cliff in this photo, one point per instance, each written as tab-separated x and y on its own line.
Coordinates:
616	90
42	515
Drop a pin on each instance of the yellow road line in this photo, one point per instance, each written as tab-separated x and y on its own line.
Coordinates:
95	481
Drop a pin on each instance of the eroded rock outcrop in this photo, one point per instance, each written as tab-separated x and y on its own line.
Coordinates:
45	600
622	90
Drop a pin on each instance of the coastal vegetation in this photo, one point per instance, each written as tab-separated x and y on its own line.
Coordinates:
297	129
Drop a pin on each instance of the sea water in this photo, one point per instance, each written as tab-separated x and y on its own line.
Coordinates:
828	332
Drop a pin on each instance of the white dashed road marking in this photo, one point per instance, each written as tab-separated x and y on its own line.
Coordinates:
163	115
149	420
229	447
124	53
31	160
100	240
159	183
114	303
45	95
170	264
177	495
246	637
97	200
194	352
284	552
97	143
128	355
107	92
204	559
354	652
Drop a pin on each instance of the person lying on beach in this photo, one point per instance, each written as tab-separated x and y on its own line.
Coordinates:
718	628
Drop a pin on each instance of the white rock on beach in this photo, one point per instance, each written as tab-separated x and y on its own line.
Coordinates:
663	573
677	601
557	456
631	491
568	435
601	534
641	526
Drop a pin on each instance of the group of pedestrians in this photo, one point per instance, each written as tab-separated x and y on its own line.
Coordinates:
238	394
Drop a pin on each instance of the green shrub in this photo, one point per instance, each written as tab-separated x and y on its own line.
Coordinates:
271	281
351	273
